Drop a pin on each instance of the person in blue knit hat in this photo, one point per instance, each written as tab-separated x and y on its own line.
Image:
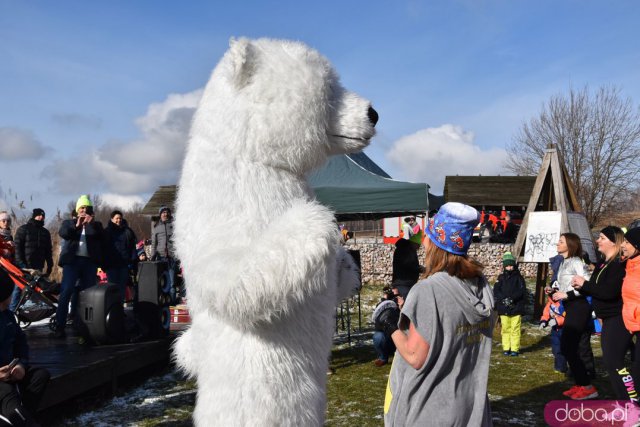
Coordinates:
443	335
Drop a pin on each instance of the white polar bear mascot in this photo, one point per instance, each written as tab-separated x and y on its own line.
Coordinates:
262	260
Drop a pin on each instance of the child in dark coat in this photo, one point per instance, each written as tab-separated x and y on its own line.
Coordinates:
509	293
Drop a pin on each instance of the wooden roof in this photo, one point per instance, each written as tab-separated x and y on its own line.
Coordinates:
489	190
165	195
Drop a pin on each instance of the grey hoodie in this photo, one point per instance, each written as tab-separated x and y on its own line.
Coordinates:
456	317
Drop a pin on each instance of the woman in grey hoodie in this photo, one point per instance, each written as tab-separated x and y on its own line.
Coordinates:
443	339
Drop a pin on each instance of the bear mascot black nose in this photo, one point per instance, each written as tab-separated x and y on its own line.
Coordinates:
373	115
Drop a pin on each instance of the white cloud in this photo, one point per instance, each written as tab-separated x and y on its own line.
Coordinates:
19	144
433	153
120	201
124	169
165	130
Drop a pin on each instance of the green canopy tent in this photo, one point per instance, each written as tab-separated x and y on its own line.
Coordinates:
356	188
352	185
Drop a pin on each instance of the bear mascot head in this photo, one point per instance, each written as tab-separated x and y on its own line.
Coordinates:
261	258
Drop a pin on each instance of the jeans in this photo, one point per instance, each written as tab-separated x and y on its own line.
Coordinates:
384	345
15	298
172	269
81	270
118	276
559	362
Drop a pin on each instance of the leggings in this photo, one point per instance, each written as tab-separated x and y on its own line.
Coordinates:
576	322
615	340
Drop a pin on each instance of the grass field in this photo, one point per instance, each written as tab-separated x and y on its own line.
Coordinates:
519	387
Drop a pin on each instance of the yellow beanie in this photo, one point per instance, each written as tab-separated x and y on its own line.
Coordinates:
83	201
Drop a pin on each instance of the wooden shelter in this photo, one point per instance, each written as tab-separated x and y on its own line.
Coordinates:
553	191
165	195
490	192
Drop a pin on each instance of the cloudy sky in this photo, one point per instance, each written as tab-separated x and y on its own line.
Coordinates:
97	97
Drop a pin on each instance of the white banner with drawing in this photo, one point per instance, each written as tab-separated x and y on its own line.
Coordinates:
543	232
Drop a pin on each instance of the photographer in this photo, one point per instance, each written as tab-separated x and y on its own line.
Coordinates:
79	258
21	386
386	312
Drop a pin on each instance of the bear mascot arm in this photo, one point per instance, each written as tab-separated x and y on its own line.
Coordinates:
279	272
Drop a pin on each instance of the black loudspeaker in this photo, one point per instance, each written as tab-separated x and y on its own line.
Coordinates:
101	314
154	289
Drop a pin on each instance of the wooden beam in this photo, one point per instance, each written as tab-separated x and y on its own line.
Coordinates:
559	192
533	202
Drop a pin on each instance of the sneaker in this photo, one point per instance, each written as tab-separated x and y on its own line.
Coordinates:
514	353
584	393
507	353
572	390
380	362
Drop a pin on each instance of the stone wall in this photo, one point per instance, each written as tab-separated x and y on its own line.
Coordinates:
377	259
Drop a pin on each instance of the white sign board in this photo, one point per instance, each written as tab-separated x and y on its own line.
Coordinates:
543	232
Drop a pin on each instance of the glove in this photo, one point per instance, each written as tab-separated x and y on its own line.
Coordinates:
543	324
553	322
388	320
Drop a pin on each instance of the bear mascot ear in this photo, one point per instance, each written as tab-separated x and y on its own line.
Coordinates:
243	61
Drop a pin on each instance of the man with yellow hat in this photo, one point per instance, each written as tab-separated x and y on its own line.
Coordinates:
79	258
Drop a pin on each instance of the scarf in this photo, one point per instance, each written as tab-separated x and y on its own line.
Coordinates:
6	234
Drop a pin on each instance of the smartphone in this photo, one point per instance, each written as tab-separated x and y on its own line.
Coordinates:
13	363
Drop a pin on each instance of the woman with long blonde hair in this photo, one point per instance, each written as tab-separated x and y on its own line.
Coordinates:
605	288
443	339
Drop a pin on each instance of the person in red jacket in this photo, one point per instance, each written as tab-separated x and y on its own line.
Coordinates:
631	293
553	316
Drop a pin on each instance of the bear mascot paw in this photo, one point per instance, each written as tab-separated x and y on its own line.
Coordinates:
262	261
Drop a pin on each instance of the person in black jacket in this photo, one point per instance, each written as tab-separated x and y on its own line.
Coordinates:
120	251
33	249
387	310
406	267
605	288
509	293
80	256
21	386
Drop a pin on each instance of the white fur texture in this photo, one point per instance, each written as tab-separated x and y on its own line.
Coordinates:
261	258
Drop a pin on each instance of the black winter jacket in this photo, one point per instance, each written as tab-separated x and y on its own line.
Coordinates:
605	288
33	246
71	236
511	285
406	267
13	342
120	246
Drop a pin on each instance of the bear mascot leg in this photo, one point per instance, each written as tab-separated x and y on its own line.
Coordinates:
262	261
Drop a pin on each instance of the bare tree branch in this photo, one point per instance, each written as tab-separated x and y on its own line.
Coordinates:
597	134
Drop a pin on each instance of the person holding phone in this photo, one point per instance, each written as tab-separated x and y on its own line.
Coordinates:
80	257
16	406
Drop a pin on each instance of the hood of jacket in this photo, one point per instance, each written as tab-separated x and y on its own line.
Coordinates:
473	296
